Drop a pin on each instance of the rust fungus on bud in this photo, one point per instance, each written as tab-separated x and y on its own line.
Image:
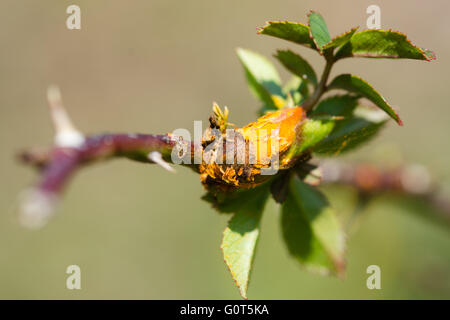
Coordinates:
236	158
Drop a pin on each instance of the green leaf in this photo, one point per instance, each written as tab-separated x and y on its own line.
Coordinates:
355	84
304	91
230	202
375	43
313	131
262	77
280	186
291	31
311	230
353	132
318	30
293	91
298	89
241	236
297	65
339	105
360	125
340	40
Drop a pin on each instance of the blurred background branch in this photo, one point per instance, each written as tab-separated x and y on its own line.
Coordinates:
369	180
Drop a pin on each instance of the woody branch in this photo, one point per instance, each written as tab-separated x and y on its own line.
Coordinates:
408	180
73	150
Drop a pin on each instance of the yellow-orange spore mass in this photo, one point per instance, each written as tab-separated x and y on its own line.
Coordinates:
276	128
263	131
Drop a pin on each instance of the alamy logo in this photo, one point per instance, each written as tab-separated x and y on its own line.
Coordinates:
374	280
74	280
374	20
74	20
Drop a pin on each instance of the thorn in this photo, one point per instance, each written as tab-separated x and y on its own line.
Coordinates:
66	133
156	157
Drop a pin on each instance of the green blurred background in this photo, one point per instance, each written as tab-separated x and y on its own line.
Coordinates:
152	66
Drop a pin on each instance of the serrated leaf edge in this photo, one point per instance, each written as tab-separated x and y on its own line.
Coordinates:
396	118
319	48
351	31
259	30
422	50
